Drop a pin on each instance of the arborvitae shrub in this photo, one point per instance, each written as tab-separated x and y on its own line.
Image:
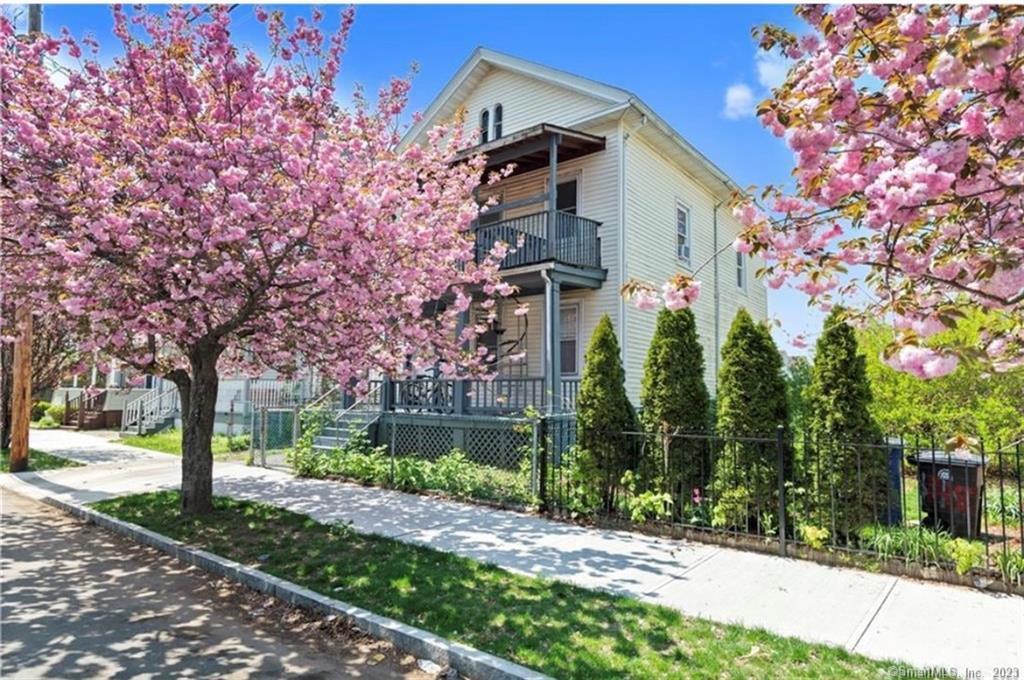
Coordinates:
603	414
751	405
846	457
675	400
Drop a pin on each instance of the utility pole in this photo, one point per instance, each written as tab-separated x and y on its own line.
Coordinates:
35	19
21	402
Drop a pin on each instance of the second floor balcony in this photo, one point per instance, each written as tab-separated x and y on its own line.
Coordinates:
542	229
571	240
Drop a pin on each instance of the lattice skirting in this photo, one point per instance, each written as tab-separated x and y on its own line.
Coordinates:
498	442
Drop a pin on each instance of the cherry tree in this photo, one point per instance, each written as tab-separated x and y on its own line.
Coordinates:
907	201
197	210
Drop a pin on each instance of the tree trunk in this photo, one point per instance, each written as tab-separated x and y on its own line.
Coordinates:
198	410
6	392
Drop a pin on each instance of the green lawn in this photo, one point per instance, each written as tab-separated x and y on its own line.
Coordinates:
169	441
37	460
562	630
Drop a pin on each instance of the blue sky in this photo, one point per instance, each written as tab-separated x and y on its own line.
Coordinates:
682	60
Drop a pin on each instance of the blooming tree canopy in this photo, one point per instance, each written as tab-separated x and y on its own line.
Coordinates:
199	209
907	127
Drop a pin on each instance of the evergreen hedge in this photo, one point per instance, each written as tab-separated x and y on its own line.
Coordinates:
751	403
675	399
845	445
603	413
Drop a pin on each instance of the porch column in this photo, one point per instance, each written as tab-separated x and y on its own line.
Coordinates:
459	392
550	231
552	337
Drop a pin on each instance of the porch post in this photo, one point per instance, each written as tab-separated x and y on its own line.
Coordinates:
552	335
550	232
459	393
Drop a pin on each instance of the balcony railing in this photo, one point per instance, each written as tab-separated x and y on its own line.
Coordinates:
576	240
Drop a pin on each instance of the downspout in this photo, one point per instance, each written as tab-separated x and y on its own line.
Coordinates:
718	309
622	227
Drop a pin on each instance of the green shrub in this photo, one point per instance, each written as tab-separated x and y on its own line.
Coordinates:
973	399
850	463
56	412
1011	567
241	442
912	544
967	555
603	413
813	536
645	505
674	398
751	402
579	494
452	473
46	423
411	474
371	467
732	509
39	409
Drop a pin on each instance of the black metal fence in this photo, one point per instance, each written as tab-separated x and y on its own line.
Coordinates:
918	500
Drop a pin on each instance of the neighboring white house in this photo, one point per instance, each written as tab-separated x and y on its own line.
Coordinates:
633	199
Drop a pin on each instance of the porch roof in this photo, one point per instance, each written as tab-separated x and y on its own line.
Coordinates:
528	149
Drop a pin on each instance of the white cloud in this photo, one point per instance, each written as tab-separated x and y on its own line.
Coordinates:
739	101
771	68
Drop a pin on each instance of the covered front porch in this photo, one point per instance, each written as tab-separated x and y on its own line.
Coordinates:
555	251
498	396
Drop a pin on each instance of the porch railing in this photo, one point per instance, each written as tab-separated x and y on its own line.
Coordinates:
76	408
576	240
483	397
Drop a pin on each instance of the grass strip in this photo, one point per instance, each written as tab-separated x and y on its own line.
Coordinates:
559	629
169	441
37	461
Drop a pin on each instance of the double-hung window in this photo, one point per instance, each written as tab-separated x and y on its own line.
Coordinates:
741	271
684	234
569	339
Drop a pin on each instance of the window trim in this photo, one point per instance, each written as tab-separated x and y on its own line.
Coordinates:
485	125
681	205
578	305
569	176
741	271
498	120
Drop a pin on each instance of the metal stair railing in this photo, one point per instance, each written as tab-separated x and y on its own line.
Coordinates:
368	404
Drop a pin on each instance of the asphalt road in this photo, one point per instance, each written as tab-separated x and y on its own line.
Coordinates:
77	602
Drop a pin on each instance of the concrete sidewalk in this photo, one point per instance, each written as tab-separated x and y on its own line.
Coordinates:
882	616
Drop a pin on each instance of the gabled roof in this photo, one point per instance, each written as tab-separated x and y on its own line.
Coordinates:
483	60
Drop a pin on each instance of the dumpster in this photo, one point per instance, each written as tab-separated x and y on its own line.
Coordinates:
950	486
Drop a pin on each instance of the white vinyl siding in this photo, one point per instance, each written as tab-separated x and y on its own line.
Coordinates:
527	101
655	185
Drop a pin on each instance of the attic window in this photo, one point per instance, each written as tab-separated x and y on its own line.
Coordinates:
485	125
497	121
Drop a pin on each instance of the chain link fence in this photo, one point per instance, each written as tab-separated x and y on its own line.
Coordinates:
274	433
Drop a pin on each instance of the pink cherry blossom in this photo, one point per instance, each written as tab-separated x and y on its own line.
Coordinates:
193	209
908	186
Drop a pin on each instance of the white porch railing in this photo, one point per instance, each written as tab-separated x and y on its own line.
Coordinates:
151	409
